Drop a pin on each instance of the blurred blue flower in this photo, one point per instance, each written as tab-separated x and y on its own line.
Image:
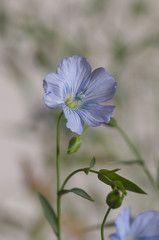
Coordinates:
78	91
144	227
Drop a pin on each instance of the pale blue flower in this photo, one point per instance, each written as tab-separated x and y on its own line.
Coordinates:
78	92
144	227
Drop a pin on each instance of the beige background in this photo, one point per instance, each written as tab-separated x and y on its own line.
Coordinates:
121	36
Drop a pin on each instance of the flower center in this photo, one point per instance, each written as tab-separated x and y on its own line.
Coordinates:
73	101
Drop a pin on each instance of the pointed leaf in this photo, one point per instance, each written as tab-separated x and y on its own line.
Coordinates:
48	212
112	176
105	179
92	163
80	192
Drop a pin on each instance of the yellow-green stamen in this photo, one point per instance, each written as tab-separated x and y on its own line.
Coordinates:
73	102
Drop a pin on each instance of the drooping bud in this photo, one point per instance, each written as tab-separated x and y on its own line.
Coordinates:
74	145
114	198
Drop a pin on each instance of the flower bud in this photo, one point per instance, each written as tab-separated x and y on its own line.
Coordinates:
74	145
114	199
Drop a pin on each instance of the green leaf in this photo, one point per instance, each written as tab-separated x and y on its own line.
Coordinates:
92	163
48	212
109	177
105	179
80	192
74	145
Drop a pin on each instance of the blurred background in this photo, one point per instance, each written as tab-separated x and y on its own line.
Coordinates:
123	37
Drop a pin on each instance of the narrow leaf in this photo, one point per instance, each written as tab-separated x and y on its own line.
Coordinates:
104	179
80	192
48	212
92	163
112	176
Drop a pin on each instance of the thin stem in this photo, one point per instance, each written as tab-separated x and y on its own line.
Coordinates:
69	176
58	176
128	141
135	151
103	223
73	173
85	128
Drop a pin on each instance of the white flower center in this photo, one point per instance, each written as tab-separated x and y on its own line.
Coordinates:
74	101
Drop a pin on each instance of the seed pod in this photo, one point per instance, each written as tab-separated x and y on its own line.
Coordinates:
114	199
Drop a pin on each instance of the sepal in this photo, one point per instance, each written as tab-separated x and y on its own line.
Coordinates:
74	145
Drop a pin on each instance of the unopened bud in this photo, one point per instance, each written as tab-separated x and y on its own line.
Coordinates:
74	145
114	199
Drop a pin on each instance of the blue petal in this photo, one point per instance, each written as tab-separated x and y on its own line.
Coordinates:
74	122
146	224
114	237
123	223
54	91
149	238
76	71
101	86
93	114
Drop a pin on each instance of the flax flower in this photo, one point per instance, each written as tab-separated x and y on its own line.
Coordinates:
78	92
144	227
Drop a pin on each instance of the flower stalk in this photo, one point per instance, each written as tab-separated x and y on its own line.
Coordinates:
58	176
103	223
137	154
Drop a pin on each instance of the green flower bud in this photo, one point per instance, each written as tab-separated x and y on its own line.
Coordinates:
114	199
74	145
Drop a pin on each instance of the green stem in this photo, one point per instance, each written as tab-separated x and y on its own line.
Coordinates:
58	176
85	128
135	151
128	141
103	223
73	173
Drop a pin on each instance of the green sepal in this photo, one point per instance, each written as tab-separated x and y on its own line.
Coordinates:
48	212
109	177
118	185
74	145
111	123
80	192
